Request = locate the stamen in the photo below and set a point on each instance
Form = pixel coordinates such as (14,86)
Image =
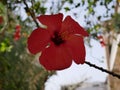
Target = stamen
(57,39)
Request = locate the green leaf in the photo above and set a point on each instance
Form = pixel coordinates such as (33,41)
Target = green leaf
(77,5)
(71,1)
(90,10)
(83,2)
(43,10)
(99,17)
(67,9)
(9,48)
(3,47)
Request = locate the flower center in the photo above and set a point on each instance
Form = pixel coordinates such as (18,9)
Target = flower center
(57,39)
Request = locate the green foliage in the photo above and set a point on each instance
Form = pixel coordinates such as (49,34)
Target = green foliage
(67,9)
(38,8)
(18,69)
(5,46)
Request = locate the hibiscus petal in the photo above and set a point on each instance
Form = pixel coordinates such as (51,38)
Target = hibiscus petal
(72,27)
(53,22)
(77,49)
(55,58)
(38,40)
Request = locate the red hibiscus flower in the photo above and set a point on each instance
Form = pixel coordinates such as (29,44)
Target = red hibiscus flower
(60,43)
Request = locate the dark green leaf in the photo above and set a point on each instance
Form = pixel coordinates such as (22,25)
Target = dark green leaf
(67,9)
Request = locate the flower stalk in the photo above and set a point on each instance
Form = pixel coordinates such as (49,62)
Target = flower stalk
(103,70)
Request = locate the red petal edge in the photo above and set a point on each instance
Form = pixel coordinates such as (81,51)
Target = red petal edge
(38,40)
(77,49)
(53,22)
(73,27)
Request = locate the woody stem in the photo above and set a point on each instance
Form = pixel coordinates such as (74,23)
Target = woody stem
(102,69)
(31,13)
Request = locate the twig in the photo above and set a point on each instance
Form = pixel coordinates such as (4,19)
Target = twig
(102,69)
(31,13)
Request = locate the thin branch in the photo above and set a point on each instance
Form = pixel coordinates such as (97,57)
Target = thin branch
(102,69)
(31,13)
(32,2)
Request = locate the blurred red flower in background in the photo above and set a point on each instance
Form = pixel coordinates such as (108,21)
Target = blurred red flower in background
(17,36)
(17,33)
(60,43)
(1,19)
(101,40)
(18,28)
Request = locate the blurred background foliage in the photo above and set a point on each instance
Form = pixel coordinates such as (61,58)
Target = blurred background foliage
(18,69)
